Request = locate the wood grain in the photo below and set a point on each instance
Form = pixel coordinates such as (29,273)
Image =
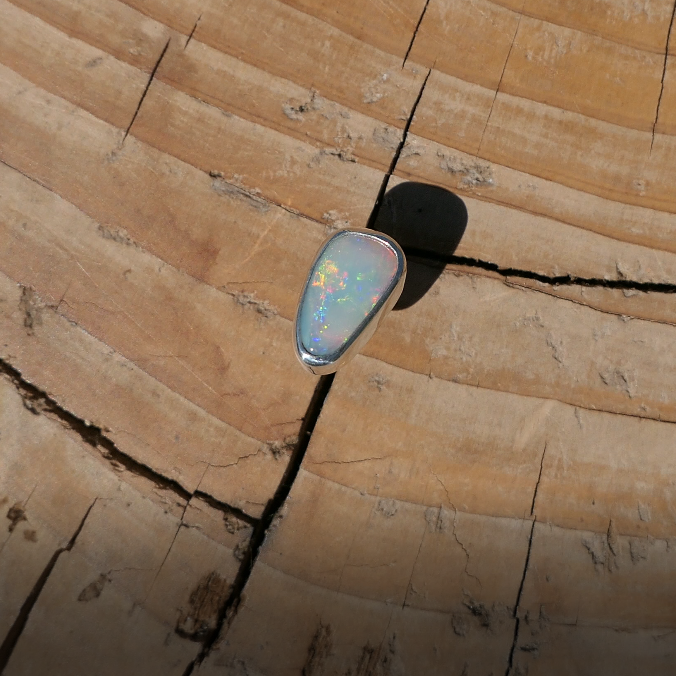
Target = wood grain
(339,66)
(361,634)
(76,278)
(645,26)
(108,548)
(110,26)
(387,25)
(275,102)
(292,170)
(33,48)
(666,122)
(445,41)
(486,489)
(514,192)
(444,338)
(592,156)
(590,649)
(621,84)
(156,427)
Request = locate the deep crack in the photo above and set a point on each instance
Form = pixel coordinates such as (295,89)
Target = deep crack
(517,621)
(271,511)
(551,280)
(15,631)
(40,402)
(225,508)
(415,33)
(386,179)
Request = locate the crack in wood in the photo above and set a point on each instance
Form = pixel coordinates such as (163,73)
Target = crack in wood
(415,33)
(664,74)
(192,32)
(551,280)
(502,74)
(147,87)
(409,585)
(463,547)
(559,280)
(349,462)
(270,513)
(228,188)
(386,179)
(39,401)
(15,631)
(517,621)
(552,293)
(94,435)
(537,483)
(228,510)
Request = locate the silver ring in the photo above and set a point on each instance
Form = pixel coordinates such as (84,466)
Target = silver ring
(355,280)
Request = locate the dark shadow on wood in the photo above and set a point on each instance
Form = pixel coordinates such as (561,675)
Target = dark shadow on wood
(426,219)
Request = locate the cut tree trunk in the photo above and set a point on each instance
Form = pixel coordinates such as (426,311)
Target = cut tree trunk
(488,489)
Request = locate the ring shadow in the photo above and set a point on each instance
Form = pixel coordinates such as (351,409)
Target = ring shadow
(425,220)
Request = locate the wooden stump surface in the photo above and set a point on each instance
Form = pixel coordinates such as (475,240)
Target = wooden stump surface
(488,489)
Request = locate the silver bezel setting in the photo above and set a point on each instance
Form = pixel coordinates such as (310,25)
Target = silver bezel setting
(322,365)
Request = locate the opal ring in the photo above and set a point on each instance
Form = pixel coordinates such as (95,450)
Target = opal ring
(355,280)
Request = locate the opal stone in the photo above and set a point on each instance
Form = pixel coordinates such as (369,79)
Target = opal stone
(352,274)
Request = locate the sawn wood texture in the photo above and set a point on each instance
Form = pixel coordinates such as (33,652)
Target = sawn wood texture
(488,488)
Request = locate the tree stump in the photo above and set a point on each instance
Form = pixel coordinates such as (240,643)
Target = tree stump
(488,489)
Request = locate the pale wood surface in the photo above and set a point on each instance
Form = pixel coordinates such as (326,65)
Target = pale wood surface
(489,488)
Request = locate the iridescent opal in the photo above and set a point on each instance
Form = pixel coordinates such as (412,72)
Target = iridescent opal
(352,275)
